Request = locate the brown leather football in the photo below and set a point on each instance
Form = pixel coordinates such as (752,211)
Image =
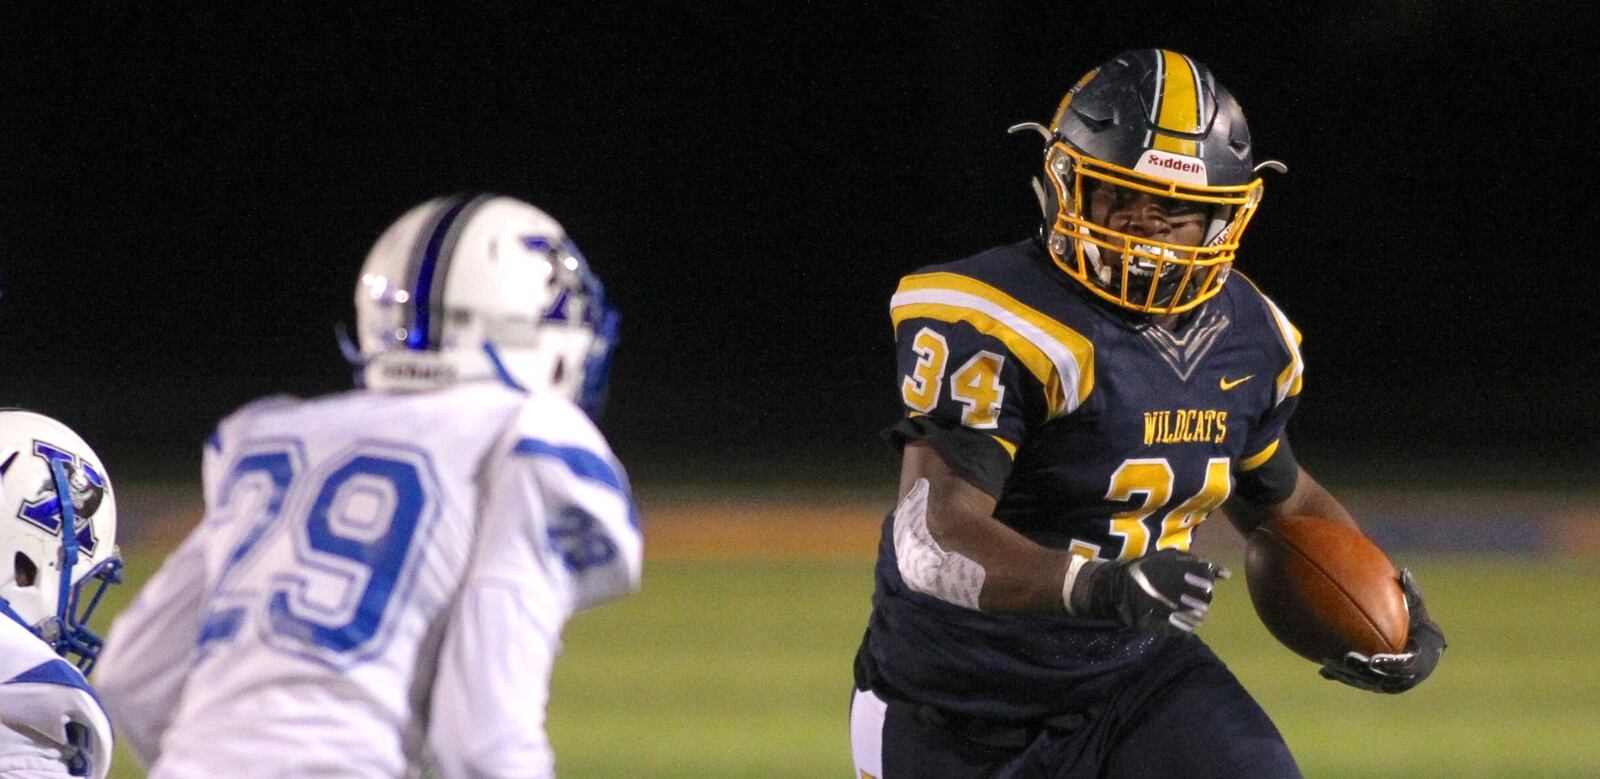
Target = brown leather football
(1323,589)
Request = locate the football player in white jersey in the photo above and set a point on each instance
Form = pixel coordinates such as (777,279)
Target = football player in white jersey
(380,581)
(58,533)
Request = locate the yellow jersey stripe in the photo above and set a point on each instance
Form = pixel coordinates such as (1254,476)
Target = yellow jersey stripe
(1080,348)
(1071,354)
(1010,448)
(1031,356)
(1177,106)
(1259,458)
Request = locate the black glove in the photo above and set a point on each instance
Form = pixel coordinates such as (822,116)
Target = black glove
(1168,591)
(1395,673)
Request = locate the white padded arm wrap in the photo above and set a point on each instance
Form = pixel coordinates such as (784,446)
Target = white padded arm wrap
(925,567)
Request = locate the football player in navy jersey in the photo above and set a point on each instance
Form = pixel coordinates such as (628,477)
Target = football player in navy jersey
(1076,404)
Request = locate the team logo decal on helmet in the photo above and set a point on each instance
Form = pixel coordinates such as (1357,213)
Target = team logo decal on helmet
(1151,123)
(86,486)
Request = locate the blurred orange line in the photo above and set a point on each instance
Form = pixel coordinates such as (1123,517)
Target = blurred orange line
(751,529)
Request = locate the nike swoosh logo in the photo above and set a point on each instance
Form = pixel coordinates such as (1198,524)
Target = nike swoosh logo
(1228,385)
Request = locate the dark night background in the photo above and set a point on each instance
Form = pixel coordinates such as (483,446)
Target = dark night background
(186,197)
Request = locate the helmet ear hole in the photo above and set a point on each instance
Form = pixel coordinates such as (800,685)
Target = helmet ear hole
(23,570)
(560,372)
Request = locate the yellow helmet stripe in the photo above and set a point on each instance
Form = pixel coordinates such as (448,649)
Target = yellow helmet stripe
(1061,109)
(1060,358)
(1176,106)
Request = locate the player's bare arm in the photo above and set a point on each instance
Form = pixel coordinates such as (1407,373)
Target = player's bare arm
(951,546)
(1308,498)
(1018,575)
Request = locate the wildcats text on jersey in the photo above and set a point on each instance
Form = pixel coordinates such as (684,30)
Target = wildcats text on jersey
(1186,426)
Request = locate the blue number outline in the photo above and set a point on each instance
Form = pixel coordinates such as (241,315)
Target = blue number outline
(298,496)
(222,624)
(286,628)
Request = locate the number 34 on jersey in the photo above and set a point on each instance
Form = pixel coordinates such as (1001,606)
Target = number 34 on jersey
(975,385)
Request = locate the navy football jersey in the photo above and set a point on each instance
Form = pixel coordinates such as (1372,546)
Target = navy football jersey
(1096,431)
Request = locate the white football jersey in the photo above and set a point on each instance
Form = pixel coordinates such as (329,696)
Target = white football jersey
(51,725)
(378,588)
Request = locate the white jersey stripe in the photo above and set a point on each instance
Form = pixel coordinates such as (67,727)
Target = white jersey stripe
(1289,379)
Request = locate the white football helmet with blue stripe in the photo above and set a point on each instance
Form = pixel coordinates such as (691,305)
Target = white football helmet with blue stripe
(482,287)
(58,532)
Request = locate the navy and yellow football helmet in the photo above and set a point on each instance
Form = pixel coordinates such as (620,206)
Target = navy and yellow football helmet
(1156,122)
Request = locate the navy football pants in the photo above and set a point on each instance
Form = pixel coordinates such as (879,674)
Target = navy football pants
(1184,716)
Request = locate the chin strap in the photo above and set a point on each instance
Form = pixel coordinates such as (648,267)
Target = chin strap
(1044,205)
(500,367)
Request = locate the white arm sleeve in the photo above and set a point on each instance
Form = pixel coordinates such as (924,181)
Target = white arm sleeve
(141,671)
(591,532)
(493,682)
(559,533)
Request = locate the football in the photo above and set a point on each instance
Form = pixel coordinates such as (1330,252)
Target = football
(1324,590)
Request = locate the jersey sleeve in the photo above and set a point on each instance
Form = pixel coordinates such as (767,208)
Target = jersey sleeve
(1267,471)
(493,680)
(565,497)
(978,370)
(559,533)
(142,669)
(51,724)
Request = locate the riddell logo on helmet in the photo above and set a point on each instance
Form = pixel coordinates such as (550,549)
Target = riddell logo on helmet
(1176,164)
(1185,169)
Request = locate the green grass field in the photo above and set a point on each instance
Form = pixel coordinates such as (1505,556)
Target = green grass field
(740,669)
